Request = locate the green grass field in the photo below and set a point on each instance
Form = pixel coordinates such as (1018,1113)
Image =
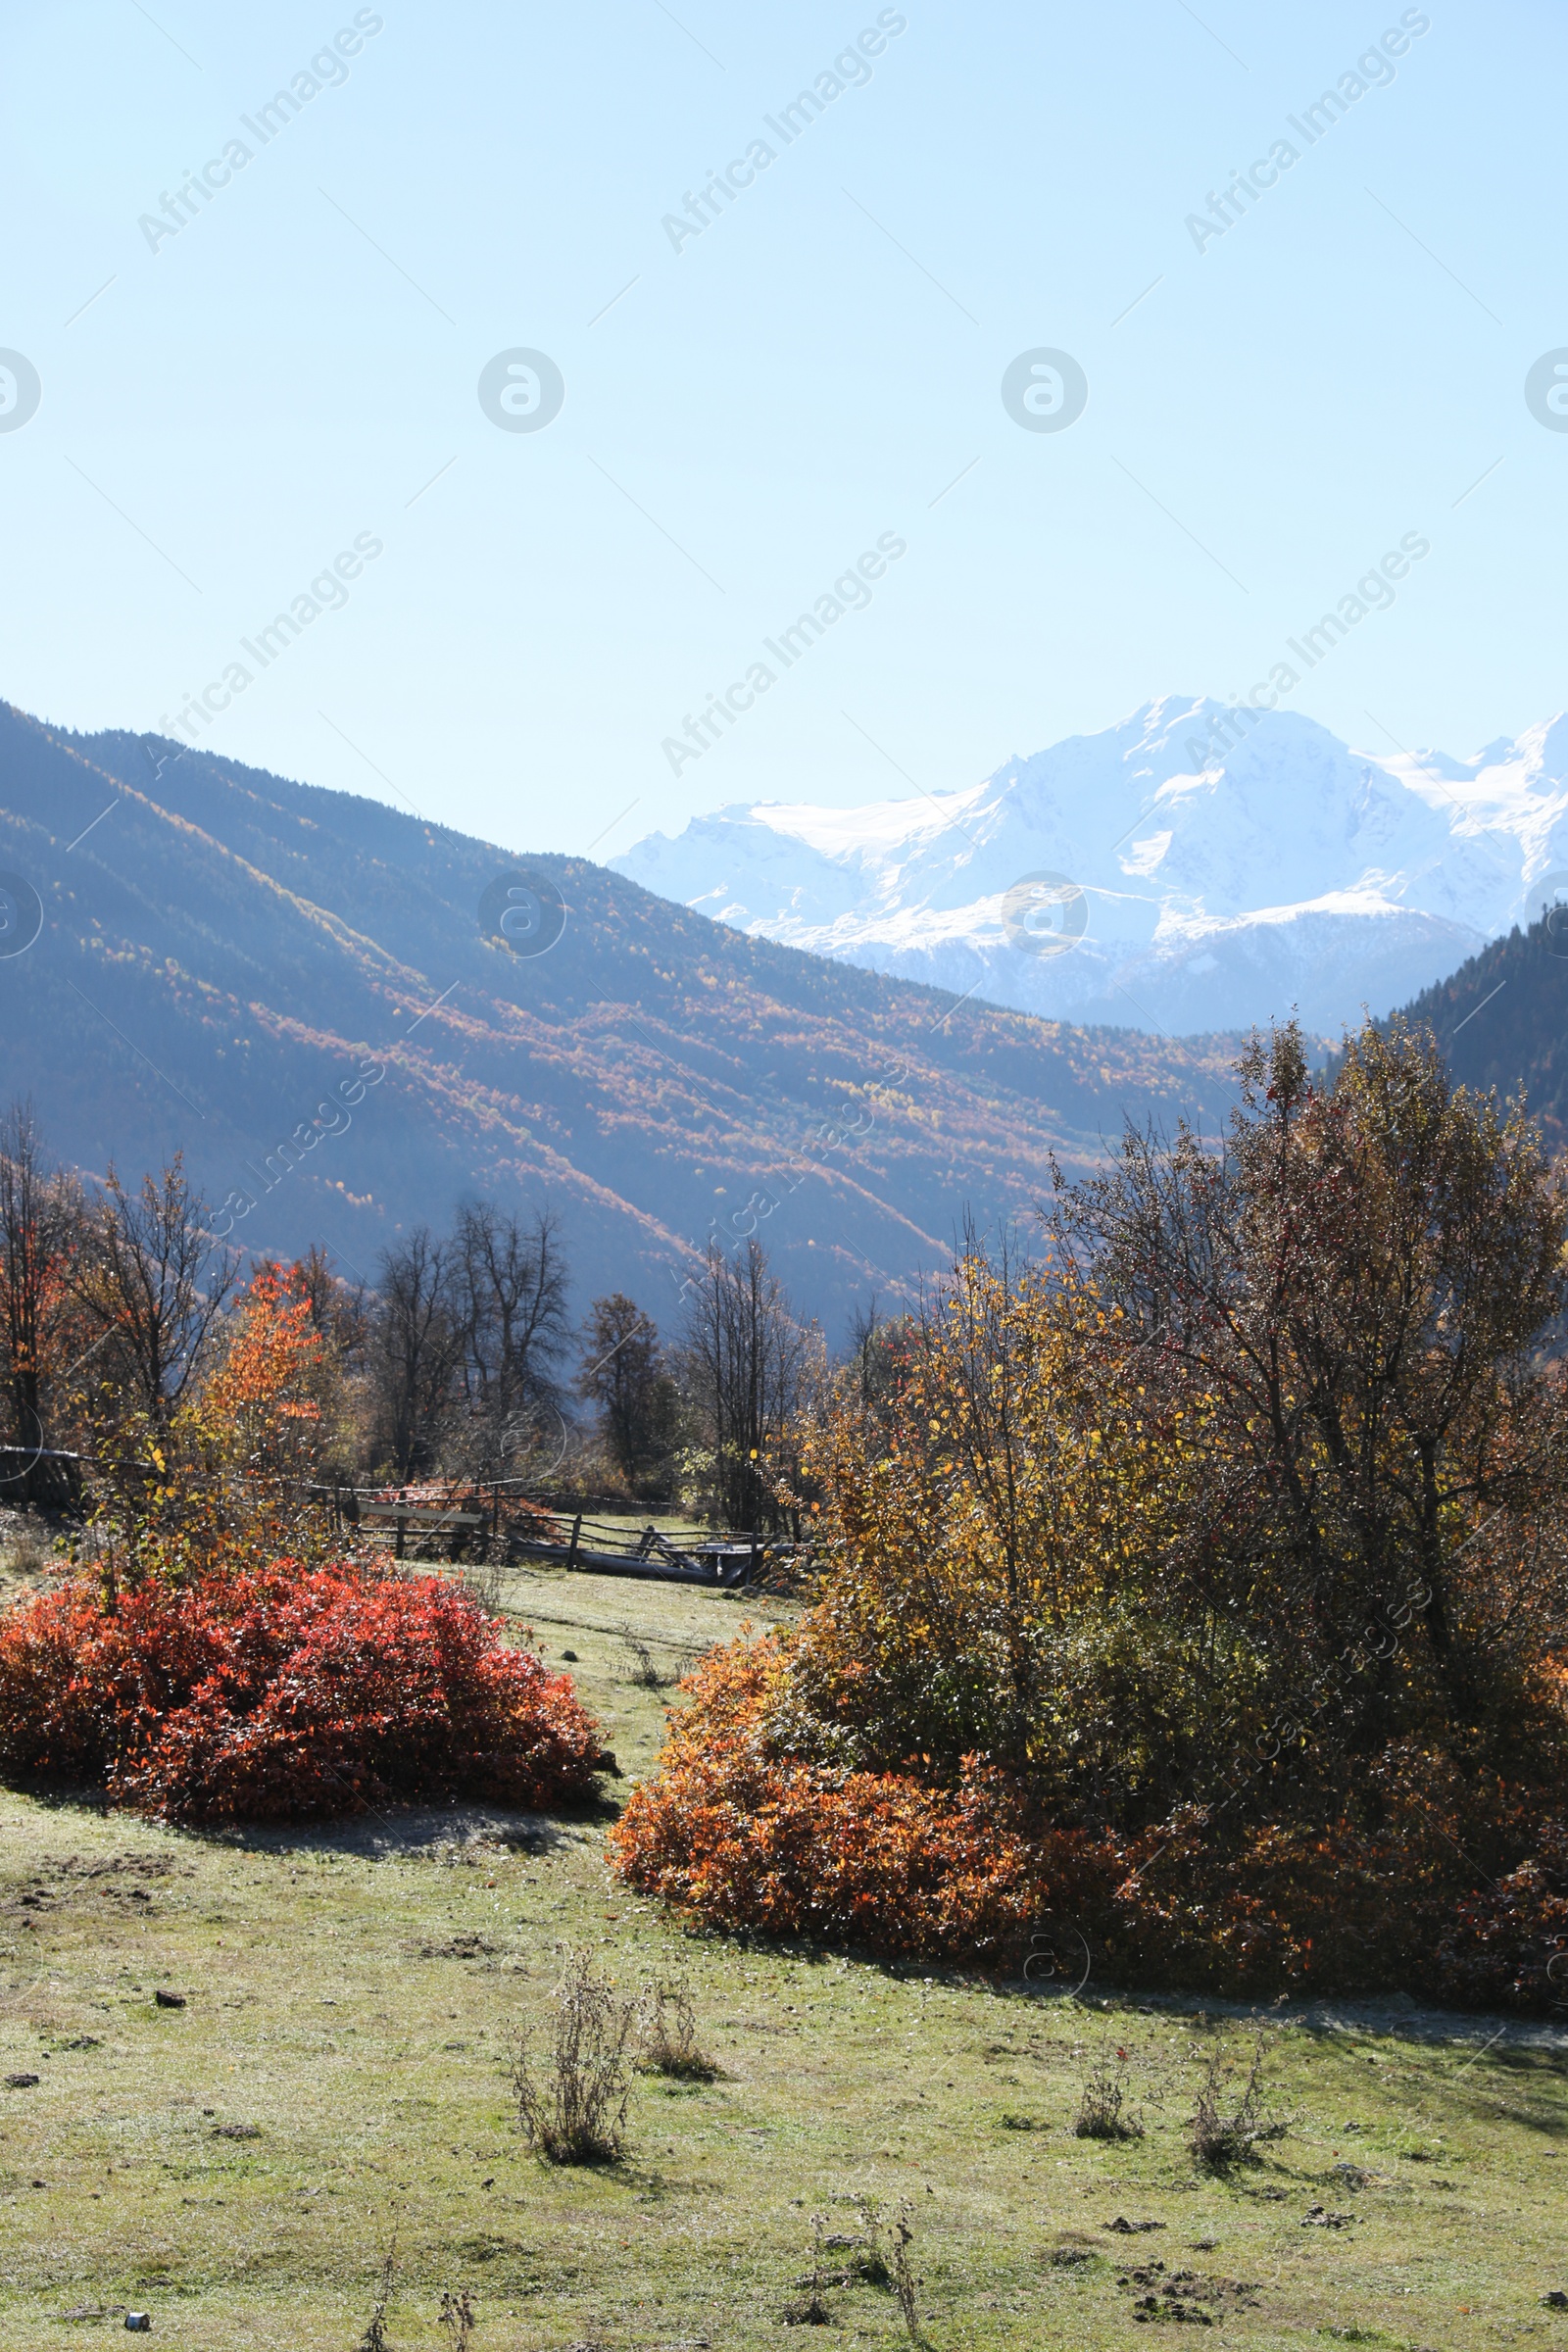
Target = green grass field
(337,2080)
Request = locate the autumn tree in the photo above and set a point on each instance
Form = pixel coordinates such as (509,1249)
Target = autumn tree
(1267,1458)
(1354,1299)
(263,1409)
(40,1325)
(986,1527)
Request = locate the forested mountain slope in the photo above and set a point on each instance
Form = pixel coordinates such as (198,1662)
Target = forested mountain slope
(296,986)
(1502,1019)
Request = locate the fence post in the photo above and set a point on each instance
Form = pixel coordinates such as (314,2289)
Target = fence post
(402,1524)
(750,1565)
(572,1552)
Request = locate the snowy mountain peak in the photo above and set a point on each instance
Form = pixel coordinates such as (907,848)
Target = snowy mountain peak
(1215,865)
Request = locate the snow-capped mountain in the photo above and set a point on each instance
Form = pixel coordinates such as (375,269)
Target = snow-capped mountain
(1193,868)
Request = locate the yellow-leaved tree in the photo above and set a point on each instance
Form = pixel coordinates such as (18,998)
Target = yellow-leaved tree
(1229,1539)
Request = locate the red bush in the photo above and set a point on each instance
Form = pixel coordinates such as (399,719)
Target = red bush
(279,1696)
(743,1839)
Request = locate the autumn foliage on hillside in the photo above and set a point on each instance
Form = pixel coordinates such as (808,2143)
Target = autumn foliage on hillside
(284,1694)
(1201,1586)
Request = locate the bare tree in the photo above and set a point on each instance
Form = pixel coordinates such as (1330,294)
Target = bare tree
(747,1366)
(337,1308)
(416,1350)
(870,1372)
(509,1287)
(152,1282)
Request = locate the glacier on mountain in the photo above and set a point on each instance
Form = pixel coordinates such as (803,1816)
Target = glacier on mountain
(1143,878)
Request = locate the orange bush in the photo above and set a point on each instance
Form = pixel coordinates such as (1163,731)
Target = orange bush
(274,1695)
(733,1836)
(737,1836)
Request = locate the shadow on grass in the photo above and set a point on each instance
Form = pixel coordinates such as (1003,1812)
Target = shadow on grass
(54,1797)
(378,1833)
(404,1830)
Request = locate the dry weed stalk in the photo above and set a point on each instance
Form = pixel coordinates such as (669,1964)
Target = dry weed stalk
(871,2264)
(1099,2107)
(901,2272)
(812,2311)
(375,2338)
(485,1580)
(456,2318)
(645,1674)
(577,2113)
(1219,2140)
(669,2044)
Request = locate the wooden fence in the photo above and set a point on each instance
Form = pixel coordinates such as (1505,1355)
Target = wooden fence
(55,1480)
(478,1521)
(618,1547)
(487,1521)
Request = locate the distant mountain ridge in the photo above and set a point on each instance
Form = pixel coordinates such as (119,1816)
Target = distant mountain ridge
(295,986)
(1222,866)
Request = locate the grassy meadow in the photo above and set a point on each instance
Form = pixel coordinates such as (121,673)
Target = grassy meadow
(335,2086)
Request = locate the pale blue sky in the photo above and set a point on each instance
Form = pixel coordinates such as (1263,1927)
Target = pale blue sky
(289,371)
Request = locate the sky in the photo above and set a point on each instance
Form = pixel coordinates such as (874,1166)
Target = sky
(210,402)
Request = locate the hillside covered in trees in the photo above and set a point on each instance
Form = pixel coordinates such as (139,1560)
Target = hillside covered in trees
(299,990)
(1500,1021)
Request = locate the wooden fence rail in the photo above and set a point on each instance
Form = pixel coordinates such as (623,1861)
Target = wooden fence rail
(618,1546)
(614,1549)
(486,1516)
